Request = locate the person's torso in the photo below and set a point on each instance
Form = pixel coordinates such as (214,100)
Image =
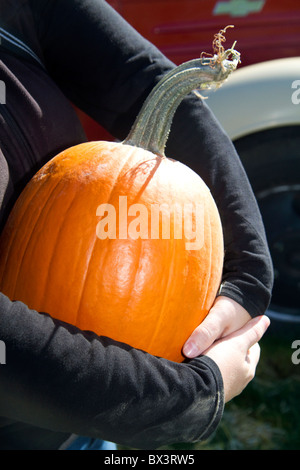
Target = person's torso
(36,122)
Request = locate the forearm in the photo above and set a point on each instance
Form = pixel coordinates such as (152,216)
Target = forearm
(99,61)
(60,378)
(197,139)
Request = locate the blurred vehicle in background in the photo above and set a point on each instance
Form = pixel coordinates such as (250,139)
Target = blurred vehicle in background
(182,29)
(259,107)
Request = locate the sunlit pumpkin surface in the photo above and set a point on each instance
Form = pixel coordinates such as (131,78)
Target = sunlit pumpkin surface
(63,254)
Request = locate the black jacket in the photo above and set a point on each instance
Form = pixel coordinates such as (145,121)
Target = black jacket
(57,379)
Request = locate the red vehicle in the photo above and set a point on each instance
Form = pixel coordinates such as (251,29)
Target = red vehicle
(259,107)
(182,29)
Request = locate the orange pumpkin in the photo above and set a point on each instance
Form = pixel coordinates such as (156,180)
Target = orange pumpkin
(119,239)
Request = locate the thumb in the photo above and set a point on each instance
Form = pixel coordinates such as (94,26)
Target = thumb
(202,337)
(253,331)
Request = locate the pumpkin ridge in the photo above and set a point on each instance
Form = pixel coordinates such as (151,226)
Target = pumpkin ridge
(131,299)
(210,279)
(130,155)
(54,245)
(166,290)
(14,236)
(103,257)
(207,278)
(29,237)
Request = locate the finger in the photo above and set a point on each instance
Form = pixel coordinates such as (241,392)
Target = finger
(202,337)
(253,354)
(254,330)
(252,359)
(225,317)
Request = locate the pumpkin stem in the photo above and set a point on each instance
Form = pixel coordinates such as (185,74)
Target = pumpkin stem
(152,126)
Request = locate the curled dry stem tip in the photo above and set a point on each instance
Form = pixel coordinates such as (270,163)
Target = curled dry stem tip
(220,56)
(219,53)
(217,45)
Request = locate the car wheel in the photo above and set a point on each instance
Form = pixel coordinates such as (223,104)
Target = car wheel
(272,161)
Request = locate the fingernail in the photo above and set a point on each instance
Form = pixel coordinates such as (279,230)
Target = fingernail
(190,349)
(268,322)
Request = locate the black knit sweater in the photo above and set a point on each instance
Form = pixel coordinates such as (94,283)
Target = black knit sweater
(59,380)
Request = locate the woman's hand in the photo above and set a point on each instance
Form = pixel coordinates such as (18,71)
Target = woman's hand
(225,317)
(237,355)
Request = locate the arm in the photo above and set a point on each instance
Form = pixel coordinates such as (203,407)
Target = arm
(60,378)
(247,275)
(68,381)
(237,355)
(123,68)
(29,336)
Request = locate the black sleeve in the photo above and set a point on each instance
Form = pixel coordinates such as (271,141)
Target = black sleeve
(200,142)
(107,69)
(57,377)
(99,61)
(60,378)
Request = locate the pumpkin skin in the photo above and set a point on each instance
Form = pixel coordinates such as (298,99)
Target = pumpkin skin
(150,293)
(150,290)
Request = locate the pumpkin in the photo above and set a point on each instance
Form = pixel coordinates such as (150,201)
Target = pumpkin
(118,239)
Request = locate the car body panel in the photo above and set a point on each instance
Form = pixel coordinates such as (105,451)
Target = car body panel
(258,97)
(182,29)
